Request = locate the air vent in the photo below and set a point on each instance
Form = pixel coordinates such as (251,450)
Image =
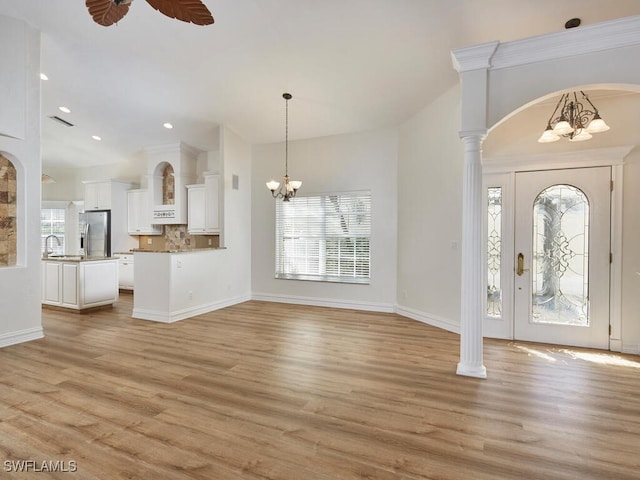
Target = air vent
(61,120)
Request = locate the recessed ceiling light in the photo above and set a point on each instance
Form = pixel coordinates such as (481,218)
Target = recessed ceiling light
(167,125)
(96,137)
(43,77)
(64,109)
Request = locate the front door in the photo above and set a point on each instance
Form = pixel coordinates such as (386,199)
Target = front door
(562,248)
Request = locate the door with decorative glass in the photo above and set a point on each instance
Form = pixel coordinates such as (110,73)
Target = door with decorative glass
(562,249)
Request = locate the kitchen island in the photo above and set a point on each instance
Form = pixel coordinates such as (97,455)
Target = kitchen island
(174,285)
(78,282)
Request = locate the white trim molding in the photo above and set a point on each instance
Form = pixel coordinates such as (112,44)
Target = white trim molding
(428,319)
(597,157)
(473,58)
(619,33)
(325,302)
(13,338)
(177,315)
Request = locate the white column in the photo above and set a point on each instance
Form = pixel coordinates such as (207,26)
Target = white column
(471,363)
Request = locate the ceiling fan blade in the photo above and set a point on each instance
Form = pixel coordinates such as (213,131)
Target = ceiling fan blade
(193,11)
(105,12)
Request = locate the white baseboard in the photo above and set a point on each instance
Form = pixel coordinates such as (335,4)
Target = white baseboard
(432,320)
(615,345)
(631,348)
(21,336)
(325,302)
(174,316)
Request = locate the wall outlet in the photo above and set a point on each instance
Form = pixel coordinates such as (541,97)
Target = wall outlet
(209,242)
(190,295)
(149,241)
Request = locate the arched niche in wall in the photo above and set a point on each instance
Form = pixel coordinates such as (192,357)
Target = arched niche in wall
(8,212)
(165,182)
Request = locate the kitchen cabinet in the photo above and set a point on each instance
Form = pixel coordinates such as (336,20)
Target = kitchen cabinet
(125,271)
(79,283)
(104,194)
(203,206)
(139,214)
(97,195)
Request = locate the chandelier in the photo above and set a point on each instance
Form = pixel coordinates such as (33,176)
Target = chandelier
(574,121)
(288,188)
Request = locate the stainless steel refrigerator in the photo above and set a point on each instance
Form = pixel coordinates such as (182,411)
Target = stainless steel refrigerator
(95,236)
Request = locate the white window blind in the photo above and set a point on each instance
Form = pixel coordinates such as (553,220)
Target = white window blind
(52,222)
(324,238)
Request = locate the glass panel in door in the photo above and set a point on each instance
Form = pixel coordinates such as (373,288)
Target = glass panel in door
(560,257)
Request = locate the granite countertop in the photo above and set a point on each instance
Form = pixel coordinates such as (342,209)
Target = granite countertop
(75,258)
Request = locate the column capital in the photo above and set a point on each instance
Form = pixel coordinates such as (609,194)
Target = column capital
(470,134)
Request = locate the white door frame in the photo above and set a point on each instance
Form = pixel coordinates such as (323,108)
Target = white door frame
(500,172)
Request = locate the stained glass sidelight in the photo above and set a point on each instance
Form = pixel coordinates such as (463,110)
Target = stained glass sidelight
(494,251)
(560,276)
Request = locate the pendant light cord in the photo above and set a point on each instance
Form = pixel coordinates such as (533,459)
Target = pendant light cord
(286,137)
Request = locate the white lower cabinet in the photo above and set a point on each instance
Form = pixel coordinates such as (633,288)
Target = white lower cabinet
(79,285)
(125,271)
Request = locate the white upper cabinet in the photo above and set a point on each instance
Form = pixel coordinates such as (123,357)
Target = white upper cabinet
(139,214)
(203,202)
(196,209)
(97,195)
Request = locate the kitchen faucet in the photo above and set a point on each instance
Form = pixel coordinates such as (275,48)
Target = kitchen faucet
(47,251)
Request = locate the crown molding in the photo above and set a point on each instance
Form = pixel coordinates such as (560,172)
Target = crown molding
(623,32)
(596,157)
(473,58)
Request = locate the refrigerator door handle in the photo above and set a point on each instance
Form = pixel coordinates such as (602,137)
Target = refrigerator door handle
(86,240)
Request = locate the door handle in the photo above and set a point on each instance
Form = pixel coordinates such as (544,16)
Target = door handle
(520,265)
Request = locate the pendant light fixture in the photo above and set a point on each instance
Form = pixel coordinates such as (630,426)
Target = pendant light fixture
(289,188)
(574,122)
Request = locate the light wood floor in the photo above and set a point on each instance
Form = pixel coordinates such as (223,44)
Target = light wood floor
(271,391)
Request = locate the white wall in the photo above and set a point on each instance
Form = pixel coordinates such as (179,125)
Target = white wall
(236,236)
(429,213)
(20,285)
(343,163)
(630,330)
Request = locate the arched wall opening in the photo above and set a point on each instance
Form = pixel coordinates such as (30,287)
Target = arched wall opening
(499,81)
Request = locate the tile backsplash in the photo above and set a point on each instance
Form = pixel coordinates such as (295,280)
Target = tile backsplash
(8,214)
(176,237)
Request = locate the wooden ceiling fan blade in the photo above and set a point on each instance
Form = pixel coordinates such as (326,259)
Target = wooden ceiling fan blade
(105,12)
(192,11)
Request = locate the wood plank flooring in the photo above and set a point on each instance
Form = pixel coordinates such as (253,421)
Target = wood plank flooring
(272,391)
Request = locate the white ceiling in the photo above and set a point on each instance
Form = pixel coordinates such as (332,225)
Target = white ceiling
(351,65)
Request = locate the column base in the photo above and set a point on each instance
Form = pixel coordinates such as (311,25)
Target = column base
(471,370)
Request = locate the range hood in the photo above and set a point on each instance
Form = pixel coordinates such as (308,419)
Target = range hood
(170,169)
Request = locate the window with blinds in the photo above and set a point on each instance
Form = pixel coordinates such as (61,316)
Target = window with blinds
(325,238)
(52,223)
